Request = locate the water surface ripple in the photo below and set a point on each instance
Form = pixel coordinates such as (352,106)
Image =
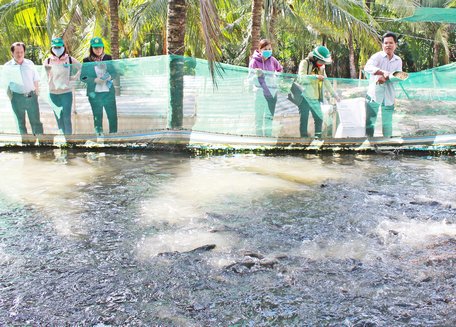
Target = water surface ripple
(153,239)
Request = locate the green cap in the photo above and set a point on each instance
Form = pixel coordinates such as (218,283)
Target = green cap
(57,42)
(96,42)
(322,53)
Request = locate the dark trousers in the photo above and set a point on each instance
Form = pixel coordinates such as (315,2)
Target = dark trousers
(371,117)
(62,104)
(106,100)
(264,114)
(314,107)
(22,104)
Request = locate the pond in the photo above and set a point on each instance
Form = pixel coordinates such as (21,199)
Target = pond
(166,239)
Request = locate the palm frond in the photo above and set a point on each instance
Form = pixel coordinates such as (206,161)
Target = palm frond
(212,35)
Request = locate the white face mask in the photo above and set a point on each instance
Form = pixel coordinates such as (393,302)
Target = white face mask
(58,51)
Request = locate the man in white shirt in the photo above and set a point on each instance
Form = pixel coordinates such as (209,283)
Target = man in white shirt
(23,89)
(381,90)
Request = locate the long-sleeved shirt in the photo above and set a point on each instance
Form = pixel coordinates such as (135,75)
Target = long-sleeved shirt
(313,87)
(89,74)
(382,93)
(21,78)
(266,81)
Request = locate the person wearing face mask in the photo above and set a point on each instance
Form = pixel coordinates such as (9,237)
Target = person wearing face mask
(98,73)
(262,70)
(61,69)
(381,90)
(312,76)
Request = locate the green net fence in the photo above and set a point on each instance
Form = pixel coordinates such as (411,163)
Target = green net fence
(155,94)
(435,15)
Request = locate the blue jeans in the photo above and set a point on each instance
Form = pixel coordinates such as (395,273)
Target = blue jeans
(62,111)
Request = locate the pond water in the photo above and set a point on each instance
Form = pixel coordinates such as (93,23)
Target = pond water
(165,239)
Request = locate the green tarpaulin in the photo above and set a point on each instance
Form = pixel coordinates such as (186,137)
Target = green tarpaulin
(435,15)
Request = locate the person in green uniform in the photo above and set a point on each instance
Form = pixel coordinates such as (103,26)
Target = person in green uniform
(312,76)
(98,73)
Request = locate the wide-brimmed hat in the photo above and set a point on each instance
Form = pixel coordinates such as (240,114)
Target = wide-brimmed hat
(57,42)
(322,53)
(97,42)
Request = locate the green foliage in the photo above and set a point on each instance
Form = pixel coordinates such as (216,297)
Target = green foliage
(298,26)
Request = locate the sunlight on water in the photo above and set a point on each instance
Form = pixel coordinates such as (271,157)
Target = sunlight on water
(47,186)
(183,241)
(291,169)
(209,185)
(415,233)
(350,240)
(189,196)
(222,186)
(440,173)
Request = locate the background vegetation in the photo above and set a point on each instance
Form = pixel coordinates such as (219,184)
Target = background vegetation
(228,30)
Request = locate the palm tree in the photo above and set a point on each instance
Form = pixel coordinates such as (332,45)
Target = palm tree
(343,20)
(177,13)
(255,24)
(36,22)
(148,24)
(184,29)
(437,33)
(114,15)
(176,33)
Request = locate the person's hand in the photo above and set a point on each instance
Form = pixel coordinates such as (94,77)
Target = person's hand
(381,79)
(320,77)
(258,72)
(37,92)
(98,80)
(9,93)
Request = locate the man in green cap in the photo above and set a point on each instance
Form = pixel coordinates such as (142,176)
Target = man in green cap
(98,73)
(313,78)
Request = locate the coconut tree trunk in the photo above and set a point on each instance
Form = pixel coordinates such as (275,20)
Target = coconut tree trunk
(255,24)
(273,23)
(177,14)
(351,56)
(114,13)
(435,59)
